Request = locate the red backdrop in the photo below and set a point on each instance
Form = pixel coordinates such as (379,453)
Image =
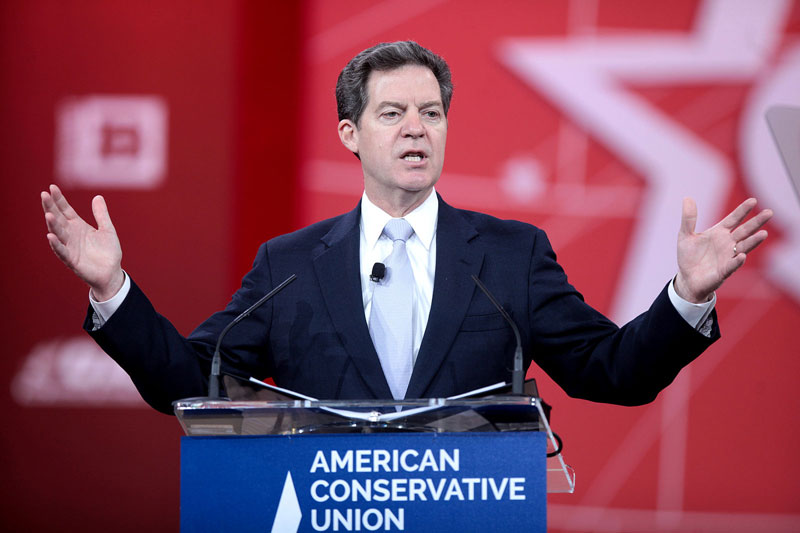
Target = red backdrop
(588,118)
(220,70)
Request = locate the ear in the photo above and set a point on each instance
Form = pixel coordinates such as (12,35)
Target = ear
(348,134)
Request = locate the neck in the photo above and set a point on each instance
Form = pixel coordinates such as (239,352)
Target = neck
(401,204)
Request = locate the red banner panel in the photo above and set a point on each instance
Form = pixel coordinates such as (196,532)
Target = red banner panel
(164,108)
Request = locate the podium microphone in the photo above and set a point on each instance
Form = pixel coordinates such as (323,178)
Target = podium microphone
(213,379)
(518,375)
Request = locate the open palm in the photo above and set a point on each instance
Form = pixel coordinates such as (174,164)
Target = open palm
(93,254)
(707,259)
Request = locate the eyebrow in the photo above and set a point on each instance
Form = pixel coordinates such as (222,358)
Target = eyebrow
(389,103)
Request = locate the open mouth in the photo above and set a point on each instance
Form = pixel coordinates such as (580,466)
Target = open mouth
(413,157)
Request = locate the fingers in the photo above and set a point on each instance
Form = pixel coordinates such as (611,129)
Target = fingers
(53,214)
(688,217)
(736,216)
(58,247)
(61,202)
(48,205)
(53,217)
(752,226)
(54,203)
(734,264)
(752,242)
(52,224)
(101,216)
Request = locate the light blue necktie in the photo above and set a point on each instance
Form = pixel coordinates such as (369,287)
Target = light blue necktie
(390,320)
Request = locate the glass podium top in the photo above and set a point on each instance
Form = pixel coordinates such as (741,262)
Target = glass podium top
(265,411)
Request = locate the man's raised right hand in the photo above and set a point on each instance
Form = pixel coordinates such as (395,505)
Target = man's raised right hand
(93,254)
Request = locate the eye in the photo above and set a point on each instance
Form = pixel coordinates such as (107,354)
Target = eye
(432,114)
(391,114)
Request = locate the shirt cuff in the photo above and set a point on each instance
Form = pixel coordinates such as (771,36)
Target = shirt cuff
(696,315)
(104,310)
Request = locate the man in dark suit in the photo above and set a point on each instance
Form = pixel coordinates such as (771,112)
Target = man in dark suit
(320,335)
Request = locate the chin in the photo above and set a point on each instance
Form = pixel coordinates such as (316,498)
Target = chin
(417,182)
(416,188)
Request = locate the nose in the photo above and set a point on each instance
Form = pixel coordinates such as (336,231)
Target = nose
(412,126)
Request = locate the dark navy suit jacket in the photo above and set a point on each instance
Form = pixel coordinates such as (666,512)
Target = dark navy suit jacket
(313,337)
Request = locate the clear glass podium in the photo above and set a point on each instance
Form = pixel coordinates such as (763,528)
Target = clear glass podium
(263,411)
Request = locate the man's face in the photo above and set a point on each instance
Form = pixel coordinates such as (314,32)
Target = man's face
(401,136)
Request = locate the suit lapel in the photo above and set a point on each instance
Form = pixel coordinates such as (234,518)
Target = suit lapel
(337,268)
(456,260)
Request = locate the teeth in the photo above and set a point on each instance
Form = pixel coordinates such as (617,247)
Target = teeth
(412,157)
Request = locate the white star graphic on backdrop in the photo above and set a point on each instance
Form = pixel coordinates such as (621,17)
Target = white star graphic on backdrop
(583,76)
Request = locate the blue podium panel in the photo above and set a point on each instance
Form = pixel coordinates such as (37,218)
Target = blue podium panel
(418,482)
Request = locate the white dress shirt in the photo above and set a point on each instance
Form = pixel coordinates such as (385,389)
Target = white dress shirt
(421,247)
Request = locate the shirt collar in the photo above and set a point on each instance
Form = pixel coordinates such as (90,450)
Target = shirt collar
(423,219)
